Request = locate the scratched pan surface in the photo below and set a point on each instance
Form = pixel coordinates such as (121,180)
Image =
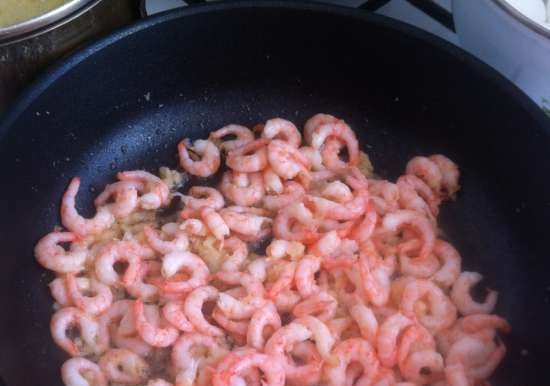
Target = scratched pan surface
(126,102)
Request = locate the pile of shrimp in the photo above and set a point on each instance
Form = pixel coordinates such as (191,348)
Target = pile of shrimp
(301,268)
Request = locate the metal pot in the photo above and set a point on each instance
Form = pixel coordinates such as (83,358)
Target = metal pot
(28,47)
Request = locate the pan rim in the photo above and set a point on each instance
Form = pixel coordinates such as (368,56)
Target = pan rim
(61,67)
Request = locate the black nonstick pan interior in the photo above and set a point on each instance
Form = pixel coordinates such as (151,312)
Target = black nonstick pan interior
(126,102)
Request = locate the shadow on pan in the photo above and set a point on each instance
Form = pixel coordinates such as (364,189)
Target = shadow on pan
(126,102)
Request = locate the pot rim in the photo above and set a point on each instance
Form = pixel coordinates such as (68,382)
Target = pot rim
(526,21)
(45,22)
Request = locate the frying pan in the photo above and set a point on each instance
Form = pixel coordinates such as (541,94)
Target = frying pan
(126,101)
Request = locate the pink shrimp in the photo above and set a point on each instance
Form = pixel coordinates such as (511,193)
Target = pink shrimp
(319,332)
(192,264)
(245,189)
(124,367)
(193,310)
(236,328)
(384,196)
(237,251)
(243,136)
(281,129)
(144,287)
(417,267)
(348,210)
(442,311)
(284,279)
(75,222)
(249,158)
(202,196)
(179,240)
(450,264)
(375,281)
(478,358)
(263,323)
(271,367)
(341,131)
(82,372)
(52,256)
(427,170)
(286,160)
(292,192)
(58,290)
(423,367)
(388,336)
(214,222)
(246,221)
(412,220)
(194,227)
(314,157)
(124,195)
(158,382)
(199,159)
(156,192)
(285,227)
(460,294)
(415,194)
(127,251)
(449,175)
(246,306)
(173,312)
(91,304)
(272,182)
(353,350)
(69,317)
(366,321)
(285,301)
(305,275)
(316,121)
(186,357)
(279,249)
(153,335)
(322,305)
(308,369)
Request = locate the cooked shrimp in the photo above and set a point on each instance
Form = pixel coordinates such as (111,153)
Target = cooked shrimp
(249,158)
(193,310)
(91,304)
(341,131)
(284,279)
(314,157)
(322,305)
(375,281)
(285,227)
(292,192)
(237,251)
(173,312)
(320,333)
(307,369)
(412,220)
(442,311)
(272,182)
(190,263)
(286,160)
(244,189)
(242,136)
(202,196)
(478,358)
(263,323)
(384,196)
(354,350)
(245,221)
(194,227)
(366,321)
(415,194)
(59,293)
(75,222)
(284,130)
(144,286)
(314,122)
(156,193)
(124,195)
(279,249)
(449,175)
(460,294)
(257,268)
(427,170)
(68,318)
(236,328)
(199,159)
(305,275)
(126,251)
(153,335)
(271,367)
(214,222)
(124,367)
(178,242)
(53,256)
(246,306)
(450,264)
(422,367)
(82,372)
